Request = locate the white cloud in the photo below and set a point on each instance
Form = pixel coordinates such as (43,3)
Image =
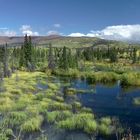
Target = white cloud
(7,32)
(57,25)
(119,32)
(3,28)
(53,32)
(76,35)
(26,29)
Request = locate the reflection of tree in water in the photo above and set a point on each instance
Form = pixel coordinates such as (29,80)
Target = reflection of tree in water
(129,89)
(118,129)
(120,132)
(128,135)
(121,95)
(124,94)
(122,91)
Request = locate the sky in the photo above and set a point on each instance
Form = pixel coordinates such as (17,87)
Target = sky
(109,19)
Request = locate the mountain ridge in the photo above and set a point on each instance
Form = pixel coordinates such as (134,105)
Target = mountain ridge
(60,41)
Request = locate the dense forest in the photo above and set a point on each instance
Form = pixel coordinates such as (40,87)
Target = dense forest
(31,57)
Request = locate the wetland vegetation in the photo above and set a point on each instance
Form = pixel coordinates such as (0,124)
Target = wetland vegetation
(57,92)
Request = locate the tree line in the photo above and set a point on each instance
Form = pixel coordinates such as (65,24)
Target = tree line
(29,57)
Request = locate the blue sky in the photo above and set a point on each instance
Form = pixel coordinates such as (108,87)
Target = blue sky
(70,17)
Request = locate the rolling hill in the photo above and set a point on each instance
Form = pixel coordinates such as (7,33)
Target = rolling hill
(60,41)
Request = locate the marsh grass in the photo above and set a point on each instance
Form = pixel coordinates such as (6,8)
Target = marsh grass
(16,91)
(53,86)
(77,121)
(6,104)
(87,123)
(24,108)
(76,106)
(57,116)
(92,77)
(59,98)
(32,110)
(105,127)
(59,106)
(33,124)
(86,110)
(136,101)
(90,126)
(130,79)
(20,108)
(69,73)
(72,91)
(102,77)
(6,94)
(105,120)
(39,96)
(16,118)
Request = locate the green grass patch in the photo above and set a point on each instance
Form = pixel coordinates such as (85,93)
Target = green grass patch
(130,79)
(33,124)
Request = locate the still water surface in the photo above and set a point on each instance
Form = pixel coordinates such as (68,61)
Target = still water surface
(106,100)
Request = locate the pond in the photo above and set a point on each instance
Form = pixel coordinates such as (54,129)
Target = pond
(63,108)
(109,100)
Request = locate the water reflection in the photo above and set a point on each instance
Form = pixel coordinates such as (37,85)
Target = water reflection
(110,100)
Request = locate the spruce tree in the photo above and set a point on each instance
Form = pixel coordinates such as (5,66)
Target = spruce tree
(113,55)
(70,60)
(64,62)
(22,57)
(108,51)
(26,50)
(134,55)
(4,59)
(30,49)
(26,53)
(51,61)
